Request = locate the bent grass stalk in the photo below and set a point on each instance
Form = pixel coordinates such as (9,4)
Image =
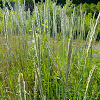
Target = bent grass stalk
(93,32)
(69,57)
(88,81)
(22,91)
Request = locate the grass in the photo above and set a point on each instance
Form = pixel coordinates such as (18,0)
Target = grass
(53,66)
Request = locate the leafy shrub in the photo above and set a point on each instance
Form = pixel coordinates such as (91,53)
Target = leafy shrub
(87,22)
(98,6)
(98,37)
(1,20)
(93,8)
(1,26)
(86,7)
(1,14)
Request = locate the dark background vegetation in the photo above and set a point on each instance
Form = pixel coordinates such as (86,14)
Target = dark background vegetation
(61,2)
(88,5)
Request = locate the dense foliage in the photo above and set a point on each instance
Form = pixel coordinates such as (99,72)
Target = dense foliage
(90,9)
(85,1)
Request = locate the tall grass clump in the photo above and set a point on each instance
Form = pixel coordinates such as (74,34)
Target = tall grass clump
(44,54)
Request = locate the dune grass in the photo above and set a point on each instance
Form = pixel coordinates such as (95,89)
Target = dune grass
(43,59)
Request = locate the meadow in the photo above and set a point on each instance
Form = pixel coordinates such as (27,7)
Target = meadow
(46,55)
